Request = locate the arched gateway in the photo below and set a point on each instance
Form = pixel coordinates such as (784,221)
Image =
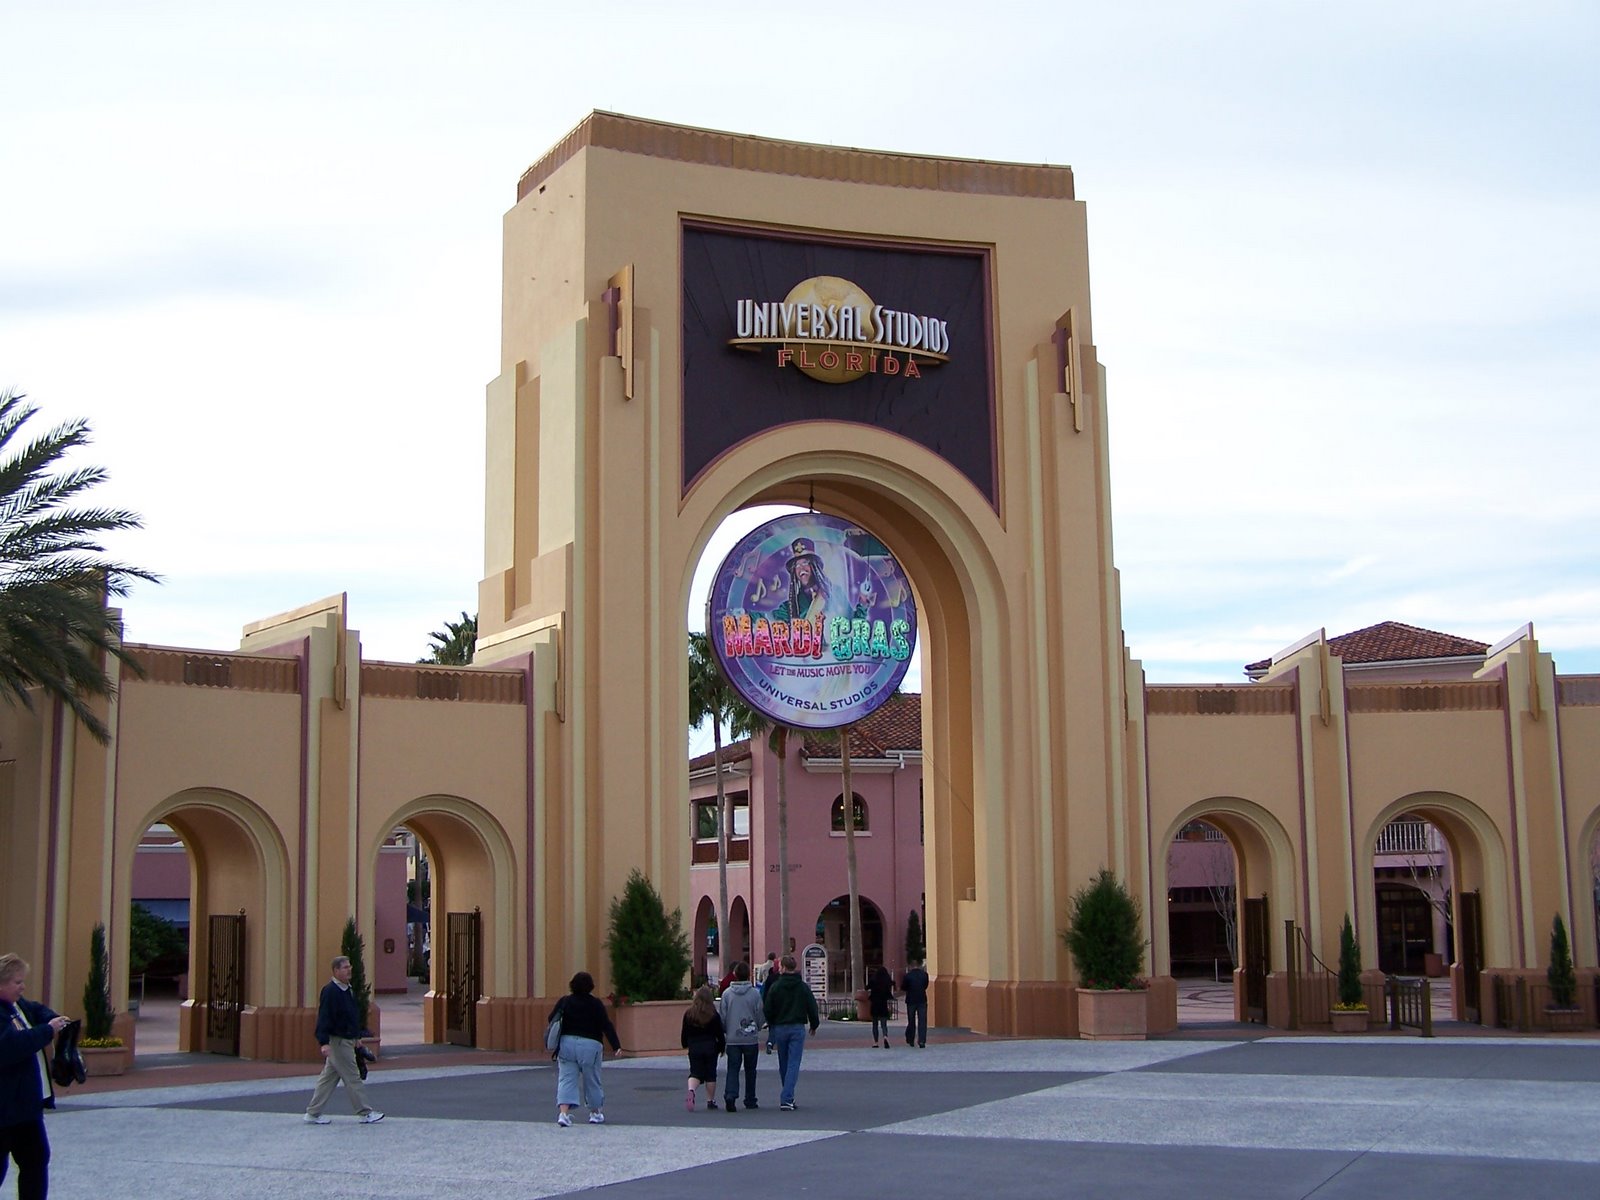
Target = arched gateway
(694,322)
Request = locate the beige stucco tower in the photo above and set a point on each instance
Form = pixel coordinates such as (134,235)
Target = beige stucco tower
(624,426)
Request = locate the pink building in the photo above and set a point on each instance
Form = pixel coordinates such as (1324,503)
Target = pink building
(886,777)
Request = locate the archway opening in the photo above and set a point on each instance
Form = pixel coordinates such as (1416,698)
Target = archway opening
(833,934)
(399,960)
(450,854)
(158,937)
(1202,904)
(1412,891)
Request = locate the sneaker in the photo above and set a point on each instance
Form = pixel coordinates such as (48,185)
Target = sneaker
(688,1100)
(885,1043)
(564,1120)
(710,1104)
(731,1105)
(787,1107)
(597,1118)
(749,1104)
(319,1119)
(371,1118)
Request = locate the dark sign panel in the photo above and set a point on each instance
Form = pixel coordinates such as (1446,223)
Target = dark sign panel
(812,620)
(779,329)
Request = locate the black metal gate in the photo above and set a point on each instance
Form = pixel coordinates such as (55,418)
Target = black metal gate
(463,979)
(224,984)
(1470,930)
(1257,959)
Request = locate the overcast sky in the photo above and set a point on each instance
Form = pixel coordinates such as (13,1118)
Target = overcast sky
(1344,264)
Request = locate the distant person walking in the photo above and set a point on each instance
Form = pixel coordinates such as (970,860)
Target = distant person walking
(703,1038)
(914,988)
(790,1007)
(880,990)
(744,1021)
(26,1030)
(339,1036)
(583,1024)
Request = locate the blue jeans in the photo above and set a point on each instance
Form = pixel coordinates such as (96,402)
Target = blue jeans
(791,1043)
(579,1057)
(745,1056)
(916,1022)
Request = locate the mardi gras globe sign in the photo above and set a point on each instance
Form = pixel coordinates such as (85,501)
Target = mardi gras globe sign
(812,620)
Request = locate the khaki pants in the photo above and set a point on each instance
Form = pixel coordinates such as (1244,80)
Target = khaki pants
(340,1067)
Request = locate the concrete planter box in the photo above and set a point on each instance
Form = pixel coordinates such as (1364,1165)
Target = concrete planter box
(1113,1015)
(1354,1021)
(99,1061)
(650,1024)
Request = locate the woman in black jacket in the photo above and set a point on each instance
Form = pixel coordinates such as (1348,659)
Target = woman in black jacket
(703,1038)
(583,1023)
(880,990)
(26,1030)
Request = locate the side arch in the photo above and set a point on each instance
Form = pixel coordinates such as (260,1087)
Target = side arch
(238,858)
(1477,859)
(1264,858)
(473,866)
(1585,935)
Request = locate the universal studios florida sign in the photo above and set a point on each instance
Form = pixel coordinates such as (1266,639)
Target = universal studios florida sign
(812,620)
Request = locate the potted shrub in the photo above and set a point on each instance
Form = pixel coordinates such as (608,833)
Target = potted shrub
(1562,1011)
(649,961)
(103,1053)
(354,947)
(1107,949)
(1349,1013)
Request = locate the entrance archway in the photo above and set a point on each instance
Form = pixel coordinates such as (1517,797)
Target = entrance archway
(238,864)
(904,498)
(470,877)
(833,932)
(1411,887)
(1477,862)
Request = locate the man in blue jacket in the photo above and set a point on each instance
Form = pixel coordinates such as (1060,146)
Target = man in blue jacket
(339,1035)
(26,1030)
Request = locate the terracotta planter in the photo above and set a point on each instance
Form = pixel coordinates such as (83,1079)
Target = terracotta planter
(107,1060)
(1563,1020)
(1352,1021)
(650,1024)
(1113,1015)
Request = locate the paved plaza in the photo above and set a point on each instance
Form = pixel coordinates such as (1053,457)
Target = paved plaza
(1234,1119)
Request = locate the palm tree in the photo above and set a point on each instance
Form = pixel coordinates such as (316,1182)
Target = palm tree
(455,644)
(778,742)
(713,698)
(858,967)
(55,578)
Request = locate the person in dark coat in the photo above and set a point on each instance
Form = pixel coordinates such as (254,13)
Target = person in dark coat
(26,1031)
(583,1023)
(339,1037)
(703,1038)
(880,990)
(914,987)
(790,1007)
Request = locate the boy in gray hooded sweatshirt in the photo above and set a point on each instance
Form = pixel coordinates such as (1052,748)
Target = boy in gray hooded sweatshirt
(743,1023)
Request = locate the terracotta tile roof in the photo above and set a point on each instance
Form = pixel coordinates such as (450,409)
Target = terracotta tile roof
(895,726)
(731,753)
(1393,641)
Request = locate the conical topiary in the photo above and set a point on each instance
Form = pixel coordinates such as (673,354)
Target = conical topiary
(1563,979)
(97,1011)
(649,949)
(916,949)
(353,947)
(1350,994)
(1104,934)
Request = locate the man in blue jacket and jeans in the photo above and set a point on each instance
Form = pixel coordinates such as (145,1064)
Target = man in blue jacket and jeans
(339,1035)
(790,1007)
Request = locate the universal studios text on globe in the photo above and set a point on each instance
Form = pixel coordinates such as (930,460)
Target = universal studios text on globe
(812,620)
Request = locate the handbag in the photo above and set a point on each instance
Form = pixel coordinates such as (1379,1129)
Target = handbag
(552,1031)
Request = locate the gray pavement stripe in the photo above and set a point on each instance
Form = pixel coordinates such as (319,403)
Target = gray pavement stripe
(1441,1117)
(1046,1056)
(191,1092)
(196,1152)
